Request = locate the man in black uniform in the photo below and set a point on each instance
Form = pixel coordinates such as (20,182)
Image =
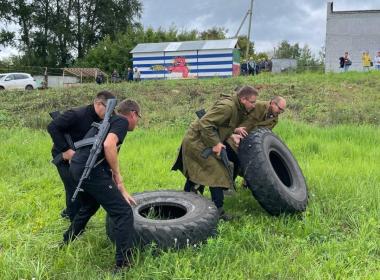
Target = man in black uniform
(75,122)
(104,187)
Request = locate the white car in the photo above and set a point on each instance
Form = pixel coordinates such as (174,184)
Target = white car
(17,81)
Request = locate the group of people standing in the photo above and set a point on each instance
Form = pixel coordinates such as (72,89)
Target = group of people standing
(252,67)
(228,121)
(367,62)
(105,185)
(133,75)
(129,75)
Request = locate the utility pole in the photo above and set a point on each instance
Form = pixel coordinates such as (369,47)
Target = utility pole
(241,24)
(249,29)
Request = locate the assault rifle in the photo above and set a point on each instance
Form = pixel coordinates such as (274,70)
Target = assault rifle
(97,145)
(59,158)
(223,154)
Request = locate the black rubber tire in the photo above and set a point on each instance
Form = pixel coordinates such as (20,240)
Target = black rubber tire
(197,219)
(29,87)
(2,88)
(272,173)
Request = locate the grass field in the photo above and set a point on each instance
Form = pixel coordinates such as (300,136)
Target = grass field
(337,237)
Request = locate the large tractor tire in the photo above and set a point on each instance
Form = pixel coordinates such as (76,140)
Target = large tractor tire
(171,219)
(272,173)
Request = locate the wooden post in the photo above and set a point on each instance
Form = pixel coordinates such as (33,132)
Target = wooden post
(45,79)
(63,78)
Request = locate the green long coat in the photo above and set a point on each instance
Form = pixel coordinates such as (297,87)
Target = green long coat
(215,126)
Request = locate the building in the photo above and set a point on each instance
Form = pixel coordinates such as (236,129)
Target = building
(351,31)
(190,59)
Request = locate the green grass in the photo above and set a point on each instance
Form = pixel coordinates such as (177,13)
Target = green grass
(336,238)
(331,126)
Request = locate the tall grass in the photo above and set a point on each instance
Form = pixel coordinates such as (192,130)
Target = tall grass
(336,238)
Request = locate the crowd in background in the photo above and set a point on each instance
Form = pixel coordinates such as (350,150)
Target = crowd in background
(252,67)
(367,62)
(128,75)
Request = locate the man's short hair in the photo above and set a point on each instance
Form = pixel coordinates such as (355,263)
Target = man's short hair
(127,106)
(104,95)
(247,91)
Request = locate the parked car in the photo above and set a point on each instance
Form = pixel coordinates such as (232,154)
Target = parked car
(17,81)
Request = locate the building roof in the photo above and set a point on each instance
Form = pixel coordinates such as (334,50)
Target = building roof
(186,46)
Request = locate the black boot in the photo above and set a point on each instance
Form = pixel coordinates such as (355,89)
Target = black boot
(192,187)
(65,215)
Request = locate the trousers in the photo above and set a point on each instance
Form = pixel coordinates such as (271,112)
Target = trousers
(100,190)
(72,208)
(217,195)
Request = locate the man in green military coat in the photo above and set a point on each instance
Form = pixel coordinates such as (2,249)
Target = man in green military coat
(217,125)
(265,115)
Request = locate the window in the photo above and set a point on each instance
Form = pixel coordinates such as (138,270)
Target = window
(9,78)
(21,76)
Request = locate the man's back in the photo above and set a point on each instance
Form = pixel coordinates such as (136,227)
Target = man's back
(75,122)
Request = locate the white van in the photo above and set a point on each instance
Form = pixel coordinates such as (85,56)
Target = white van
(17,81)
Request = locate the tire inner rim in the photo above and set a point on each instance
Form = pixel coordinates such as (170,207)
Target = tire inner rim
(162,211)
(280,168)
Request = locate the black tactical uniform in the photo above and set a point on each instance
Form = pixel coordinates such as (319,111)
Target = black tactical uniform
(100,189)
(75,122)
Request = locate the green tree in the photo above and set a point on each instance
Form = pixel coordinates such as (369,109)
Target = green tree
(244,44)
(286,50)
(213,33)
(112,54)
(50,32)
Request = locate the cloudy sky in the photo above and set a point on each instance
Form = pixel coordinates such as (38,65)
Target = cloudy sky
(301,21)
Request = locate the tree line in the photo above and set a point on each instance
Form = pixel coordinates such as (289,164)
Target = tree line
(303,55)
(57,32)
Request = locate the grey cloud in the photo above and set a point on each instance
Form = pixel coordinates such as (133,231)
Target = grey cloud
(274,20)
(300,21)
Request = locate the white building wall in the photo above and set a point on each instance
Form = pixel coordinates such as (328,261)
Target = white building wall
(56,81)
(352,31)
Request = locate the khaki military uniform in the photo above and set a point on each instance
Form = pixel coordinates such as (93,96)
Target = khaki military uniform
(215,127)
(259,117)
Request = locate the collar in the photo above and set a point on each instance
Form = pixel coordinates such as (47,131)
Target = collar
(268,115)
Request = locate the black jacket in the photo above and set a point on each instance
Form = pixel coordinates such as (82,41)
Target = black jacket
(75,122)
